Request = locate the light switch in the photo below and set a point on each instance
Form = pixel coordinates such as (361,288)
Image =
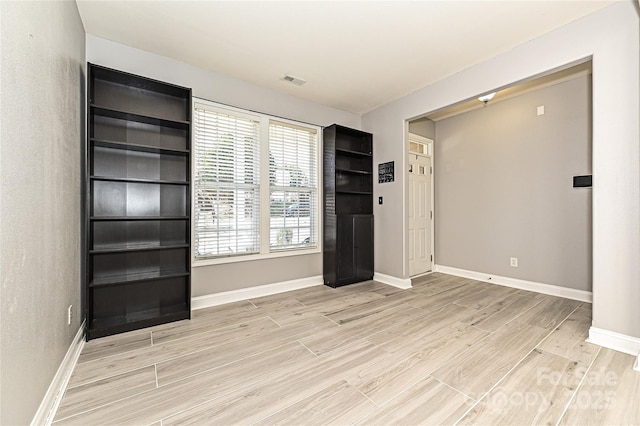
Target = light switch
(379,200)
(541,110)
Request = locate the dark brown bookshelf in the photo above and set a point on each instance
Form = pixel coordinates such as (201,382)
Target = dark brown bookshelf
(348,206)
(138,171)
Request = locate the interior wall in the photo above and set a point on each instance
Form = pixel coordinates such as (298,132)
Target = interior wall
(504,187)
(219,88)
(42,112)
(423,127)
(610,37)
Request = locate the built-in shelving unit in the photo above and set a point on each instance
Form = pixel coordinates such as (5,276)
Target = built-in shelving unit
(138,178)
(348,206)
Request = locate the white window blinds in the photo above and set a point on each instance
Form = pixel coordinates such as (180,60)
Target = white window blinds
(293,186)
(226,183)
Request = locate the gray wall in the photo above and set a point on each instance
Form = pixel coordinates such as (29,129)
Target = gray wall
(423,127)
(230,91)
(42,112)
(504,187)
(610,38)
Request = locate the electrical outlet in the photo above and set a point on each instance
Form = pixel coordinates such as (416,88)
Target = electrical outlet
(514,262)
(69,314)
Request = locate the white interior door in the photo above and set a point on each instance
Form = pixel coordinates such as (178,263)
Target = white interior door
(420,215)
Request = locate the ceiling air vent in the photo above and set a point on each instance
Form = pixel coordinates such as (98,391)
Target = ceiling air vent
(294,80)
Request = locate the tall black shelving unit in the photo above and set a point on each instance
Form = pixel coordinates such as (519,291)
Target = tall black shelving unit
(348,206)
(138,177)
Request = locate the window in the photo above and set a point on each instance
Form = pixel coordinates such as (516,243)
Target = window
(227,184)
(292,185)
(255,184)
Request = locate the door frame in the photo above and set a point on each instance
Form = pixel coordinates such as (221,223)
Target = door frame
(412,136)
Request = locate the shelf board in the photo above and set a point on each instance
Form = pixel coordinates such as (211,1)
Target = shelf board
(130,116)
(132,180)
(354,192)
(355,172)
(137,247)
(137,147)
(353,152)
(136,278)
(121,218)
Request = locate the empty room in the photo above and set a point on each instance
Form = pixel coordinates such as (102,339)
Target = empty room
(323,212)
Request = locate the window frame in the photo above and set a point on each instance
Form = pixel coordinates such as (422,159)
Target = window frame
(266,251)
(313,200)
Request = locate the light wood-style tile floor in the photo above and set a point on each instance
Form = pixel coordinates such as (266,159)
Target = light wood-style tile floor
(448,351)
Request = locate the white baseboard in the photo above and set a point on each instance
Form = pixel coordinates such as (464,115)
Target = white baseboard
(553,290)
(616,341)
(403,283)
(216,299)
(51,401)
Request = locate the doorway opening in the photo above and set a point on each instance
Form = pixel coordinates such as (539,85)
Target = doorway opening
(504,207)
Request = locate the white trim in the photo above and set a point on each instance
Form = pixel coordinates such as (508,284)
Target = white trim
(51,401)
(637,366)
(553,290)
(216,299)
(420,139)
(405,201)
(249,257)
(616,341)
(403,283)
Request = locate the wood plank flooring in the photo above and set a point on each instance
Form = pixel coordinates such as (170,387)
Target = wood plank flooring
(448,351)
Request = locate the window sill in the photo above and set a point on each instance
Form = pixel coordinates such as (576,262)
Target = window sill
(253,257)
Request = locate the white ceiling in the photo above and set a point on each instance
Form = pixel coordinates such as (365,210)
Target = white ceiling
(355,55)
